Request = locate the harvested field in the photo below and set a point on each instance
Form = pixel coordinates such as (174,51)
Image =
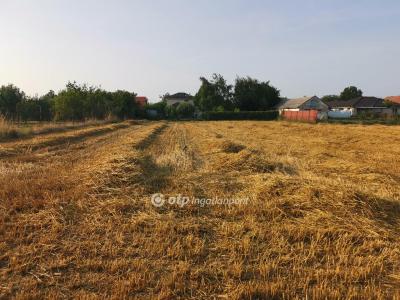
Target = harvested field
(11,131)
(320,220)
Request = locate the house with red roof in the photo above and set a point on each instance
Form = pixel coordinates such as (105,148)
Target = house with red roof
(394,102)
(141,101)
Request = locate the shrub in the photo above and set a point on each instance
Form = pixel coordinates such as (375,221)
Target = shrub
(79,102)
(170,112)
(155,111)
(241,115)
(185,110)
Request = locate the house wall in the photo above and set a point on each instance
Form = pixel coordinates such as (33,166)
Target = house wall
(342,112)
(141,103)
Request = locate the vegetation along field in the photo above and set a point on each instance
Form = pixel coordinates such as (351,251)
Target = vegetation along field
(321,218)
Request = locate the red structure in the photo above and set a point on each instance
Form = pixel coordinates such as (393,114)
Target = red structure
(302,115)
(393,99)
(141,100)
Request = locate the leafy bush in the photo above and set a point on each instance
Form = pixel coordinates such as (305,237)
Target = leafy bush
(170,112)
(241,115)
(185,110)
(79,102)
(154,111)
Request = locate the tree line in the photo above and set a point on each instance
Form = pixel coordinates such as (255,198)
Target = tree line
(81,101)
(246,95)
(216,95)
(76,102)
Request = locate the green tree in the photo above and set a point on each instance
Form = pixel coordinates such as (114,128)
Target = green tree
(170,112)
(214,93)
(185,110)
(351,92)
(78,102)
(253,95)
(46,103)
(159,107)
(36,109)
(70,102)
(10,96)
(98,103)
(29,110)
(123,104)
(329,98)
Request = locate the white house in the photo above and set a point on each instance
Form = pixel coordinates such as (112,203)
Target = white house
(342,109)
(348,108)
(177,98)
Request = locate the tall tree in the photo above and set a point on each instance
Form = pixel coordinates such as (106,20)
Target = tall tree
(351,92)
(214,94)
(70,102)
(123,104)
(46,103)
(252,95)
(10,96)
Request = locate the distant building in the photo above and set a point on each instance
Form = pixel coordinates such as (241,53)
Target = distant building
(141,101)
(304,103)
(394,102)
(177,98)
(342,109)
(360,105)
(308,109)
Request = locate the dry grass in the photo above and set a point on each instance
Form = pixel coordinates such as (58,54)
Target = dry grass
(8,130)
(322,221)
(12,130)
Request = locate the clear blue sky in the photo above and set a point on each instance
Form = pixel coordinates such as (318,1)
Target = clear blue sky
(153,47)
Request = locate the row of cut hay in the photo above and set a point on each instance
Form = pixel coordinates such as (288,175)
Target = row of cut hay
(123,169)
(175,150)
(56,140)
(10,130)
(50,217)
(305,233)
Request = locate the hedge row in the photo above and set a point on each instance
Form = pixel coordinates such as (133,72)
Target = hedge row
(241,115)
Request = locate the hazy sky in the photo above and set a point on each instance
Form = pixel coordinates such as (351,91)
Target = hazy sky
(153,47)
